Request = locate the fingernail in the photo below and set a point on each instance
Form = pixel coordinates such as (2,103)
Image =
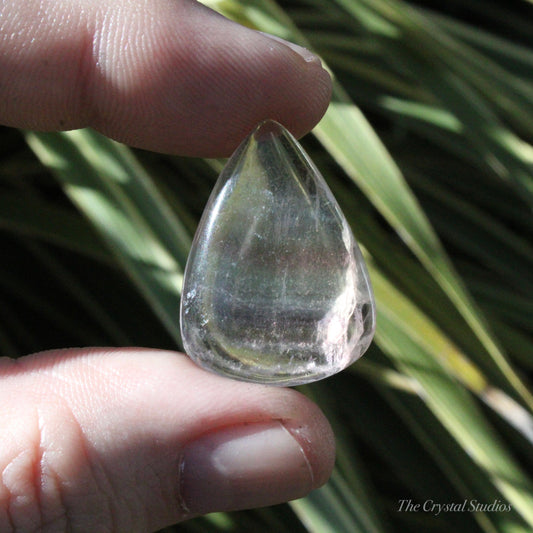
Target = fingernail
(304,52)
(243,467)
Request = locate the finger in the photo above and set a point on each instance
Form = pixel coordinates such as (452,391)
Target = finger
(134,440)
(171,76)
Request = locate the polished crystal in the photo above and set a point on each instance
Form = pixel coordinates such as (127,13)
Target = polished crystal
(276,289)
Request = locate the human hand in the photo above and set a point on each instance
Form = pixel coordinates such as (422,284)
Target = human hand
(165,75)
(131,439)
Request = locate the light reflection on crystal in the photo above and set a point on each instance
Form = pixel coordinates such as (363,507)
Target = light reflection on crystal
(275,289)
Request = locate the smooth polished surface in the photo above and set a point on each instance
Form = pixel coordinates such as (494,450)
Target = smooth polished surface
(275,290)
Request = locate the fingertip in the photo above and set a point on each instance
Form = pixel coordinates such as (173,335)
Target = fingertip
(316,438)
(177,440)
(241,467)
(172,77)
(257,464)
(200,93)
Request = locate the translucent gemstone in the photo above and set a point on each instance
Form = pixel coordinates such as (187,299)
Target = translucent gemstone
(276,290)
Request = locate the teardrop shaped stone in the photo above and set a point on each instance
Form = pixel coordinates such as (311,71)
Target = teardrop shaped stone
(275,290)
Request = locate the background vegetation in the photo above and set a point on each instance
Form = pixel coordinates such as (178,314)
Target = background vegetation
(440,408)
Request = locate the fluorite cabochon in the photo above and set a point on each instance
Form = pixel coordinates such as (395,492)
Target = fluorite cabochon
(275,289)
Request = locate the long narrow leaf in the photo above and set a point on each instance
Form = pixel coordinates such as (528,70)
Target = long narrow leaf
(112,190)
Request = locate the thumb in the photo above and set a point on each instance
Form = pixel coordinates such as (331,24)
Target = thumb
(167,76)
(135,440)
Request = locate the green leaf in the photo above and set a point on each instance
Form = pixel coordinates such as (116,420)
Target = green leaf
(420,351)
(110,188)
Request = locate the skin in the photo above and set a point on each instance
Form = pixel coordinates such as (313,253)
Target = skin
(134,439)
(165,75)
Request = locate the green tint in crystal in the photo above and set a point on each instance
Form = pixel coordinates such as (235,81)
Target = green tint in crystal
(275,290)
